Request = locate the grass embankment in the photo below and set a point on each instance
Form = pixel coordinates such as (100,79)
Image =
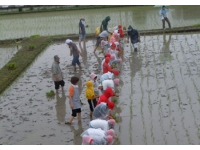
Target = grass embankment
(31,47)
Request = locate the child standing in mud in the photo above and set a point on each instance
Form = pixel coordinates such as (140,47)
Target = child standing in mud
(74,100)
(91,97)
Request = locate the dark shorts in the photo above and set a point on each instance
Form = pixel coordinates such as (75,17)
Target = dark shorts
(75,60)
(81,36)
(57,84)
(92,104)
(98,40)
(75,111)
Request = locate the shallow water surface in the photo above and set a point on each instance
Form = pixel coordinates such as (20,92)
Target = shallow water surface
(66,22)
(7,53)
(158,103)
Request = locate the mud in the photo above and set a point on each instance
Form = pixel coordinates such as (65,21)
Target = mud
(158,103)
(66,22)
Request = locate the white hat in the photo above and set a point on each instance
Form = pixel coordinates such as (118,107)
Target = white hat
(68,41)
(110,30)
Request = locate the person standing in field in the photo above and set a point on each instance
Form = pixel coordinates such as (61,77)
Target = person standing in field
(164,16)
(75,52)
(134,36)
(74,100)
(82,31)
(104,24)
(57,74)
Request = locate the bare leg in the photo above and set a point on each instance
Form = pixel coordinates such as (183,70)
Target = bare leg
(70,120)
(79,116)
(95,48)
(90,114)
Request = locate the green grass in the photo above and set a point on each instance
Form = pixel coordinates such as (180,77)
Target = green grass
(21,60)
(11,66)
(197,25)
(115,100)
(50,94)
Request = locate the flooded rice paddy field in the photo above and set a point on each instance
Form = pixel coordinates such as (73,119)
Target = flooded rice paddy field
(66,22)
(6,53)
(158,104)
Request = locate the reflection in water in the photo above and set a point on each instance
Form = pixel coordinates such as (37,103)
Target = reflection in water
(64,22)
(165,54)
(84,52)
(77,132)
(61,107)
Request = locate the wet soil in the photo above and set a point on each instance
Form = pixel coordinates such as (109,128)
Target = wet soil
(158,103)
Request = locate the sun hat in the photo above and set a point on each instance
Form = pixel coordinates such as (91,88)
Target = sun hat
(109,138)
(116,81)
(68,41)
(92,75)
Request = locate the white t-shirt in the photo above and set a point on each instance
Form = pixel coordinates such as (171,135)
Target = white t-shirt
(104,34)
(108,83)
(99,123)
(92,131)
(113,52)
(106,76)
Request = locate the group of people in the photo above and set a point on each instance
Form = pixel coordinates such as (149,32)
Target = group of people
(100,89)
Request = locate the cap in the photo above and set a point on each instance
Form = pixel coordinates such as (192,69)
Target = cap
(119,60)
(111,105)
(56,57)
(109,139)
(112,57)
(102,42)
(113,45)
(119,26)
(68,41)
(111,122)
(110,132)
(116,72)
(107,55)
(116,81)
(92,75)
(86,139)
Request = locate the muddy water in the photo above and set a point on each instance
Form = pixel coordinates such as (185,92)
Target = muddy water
(66,22)
(6,53)
(158,103)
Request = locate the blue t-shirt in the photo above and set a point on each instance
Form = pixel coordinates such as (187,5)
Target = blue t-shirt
(82,26)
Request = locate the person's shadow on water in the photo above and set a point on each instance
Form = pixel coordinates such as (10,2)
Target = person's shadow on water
(77,133)
(165,54)
(61,107)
